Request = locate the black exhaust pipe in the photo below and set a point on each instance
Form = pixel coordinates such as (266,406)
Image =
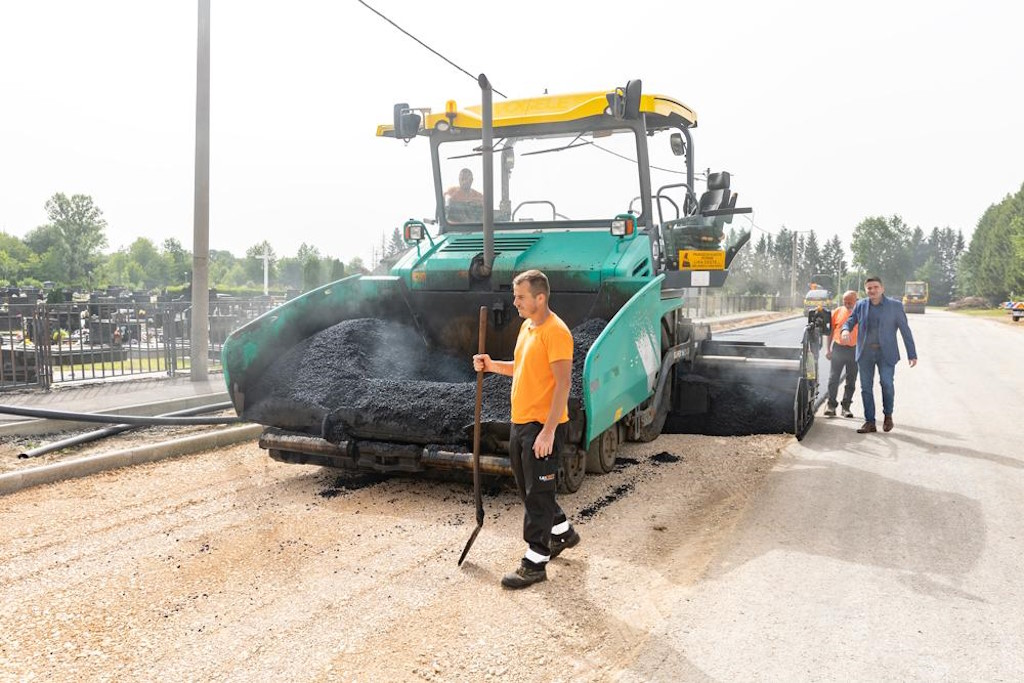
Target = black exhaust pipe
(488,156)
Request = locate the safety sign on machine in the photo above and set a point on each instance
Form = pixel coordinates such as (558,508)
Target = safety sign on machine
(701,260)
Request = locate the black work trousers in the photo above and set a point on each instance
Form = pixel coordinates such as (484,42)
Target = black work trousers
(537,482)
(843,358)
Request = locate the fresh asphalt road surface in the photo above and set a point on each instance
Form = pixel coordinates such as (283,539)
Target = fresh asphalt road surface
(881,557)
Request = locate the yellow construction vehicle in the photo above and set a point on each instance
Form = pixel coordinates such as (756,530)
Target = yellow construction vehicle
(915,296)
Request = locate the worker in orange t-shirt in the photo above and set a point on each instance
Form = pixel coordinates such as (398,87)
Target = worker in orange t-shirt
(541,371)
(843,357)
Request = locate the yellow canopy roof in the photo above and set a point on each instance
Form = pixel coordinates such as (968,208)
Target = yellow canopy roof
(551,109)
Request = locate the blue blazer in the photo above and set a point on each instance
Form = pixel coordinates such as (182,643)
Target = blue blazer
(893,318)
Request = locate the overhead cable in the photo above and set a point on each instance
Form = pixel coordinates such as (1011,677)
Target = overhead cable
(379,14)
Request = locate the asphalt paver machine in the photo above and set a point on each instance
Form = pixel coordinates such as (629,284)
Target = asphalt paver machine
(597,190)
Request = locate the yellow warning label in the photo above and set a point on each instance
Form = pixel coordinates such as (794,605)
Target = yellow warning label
(701,260)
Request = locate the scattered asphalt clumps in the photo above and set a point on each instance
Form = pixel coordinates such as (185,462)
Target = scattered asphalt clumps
(606,500)
(376,379)
(664,457)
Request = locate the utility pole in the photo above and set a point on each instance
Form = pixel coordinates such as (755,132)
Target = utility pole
(792,275)
(266,270)
(200,335)
(792,267)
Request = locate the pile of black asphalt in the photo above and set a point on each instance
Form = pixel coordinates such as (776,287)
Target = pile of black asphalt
(376,379)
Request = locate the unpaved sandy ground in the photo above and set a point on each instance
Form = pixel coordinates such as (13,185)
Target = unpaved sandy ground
(229,566)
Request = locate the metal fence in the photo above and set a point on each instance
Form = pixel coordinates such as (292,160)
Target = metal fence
(42,344)
(701,304)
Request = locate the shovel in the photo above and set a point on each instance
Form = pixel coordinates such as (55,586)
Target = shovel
(476,438)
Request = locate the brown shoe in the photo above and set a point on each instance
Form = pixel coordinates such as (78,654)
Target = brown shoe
(867,428)
(524,575)
(887,423)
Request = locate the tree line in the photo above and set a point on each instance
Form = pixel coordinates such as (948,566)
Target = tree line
(68,250)
(883,247)
(990,267)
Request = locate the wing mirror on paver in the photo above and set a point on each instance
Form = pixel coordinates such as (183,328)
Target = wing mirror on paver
(678,144)
(624,103)
(407,122)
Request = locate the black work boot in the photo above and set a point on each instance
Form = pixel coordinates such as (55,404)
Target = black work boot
(527,574)
(567,540)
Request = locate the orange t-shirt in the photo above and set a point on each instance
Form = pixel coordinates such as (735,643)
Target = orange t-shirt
(839,317)
(533,383)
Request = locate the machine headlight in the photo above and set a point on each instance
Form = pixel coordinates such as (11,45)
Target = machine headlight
(414,231)
(622,227)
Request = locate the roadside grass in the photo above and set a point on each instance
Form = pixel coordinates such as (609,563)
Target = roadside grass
(116,368)
(982,312)
(997,314)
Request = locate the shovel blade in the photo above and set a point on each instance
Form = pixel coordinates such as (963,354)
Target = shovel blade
(469,543)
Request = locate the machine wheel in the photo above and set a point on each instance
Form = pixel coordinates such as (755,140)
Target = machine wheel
(601,454)
(571,470)
(653,430)
(803,408)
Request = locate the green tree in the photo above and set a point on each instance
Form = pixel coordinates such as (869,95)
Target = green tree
(395,245)
(833,260)
(17,261)
(222,263)
(811,263)
(80,225)
(150,268)
(114,270)
(289,273)
(945,249)
(178,263)
(43,238)
(311,274)
(356,266)
(992,267)
(43,242)
(306,252)
(881,247)
(337,270)
(919,249)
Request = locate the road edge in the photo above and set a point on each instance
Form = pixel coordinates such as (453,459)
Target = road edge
(12,482)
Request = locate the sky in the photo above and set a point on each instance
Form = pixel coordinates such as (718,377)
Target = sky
(824,114)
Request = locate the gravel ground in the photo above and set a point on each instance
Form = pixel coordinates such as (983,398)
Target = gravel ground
(229,566)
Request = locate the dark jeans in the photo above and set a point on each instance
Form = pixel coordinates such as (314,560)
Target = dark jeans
(843,358)
(536,479)
(869,359)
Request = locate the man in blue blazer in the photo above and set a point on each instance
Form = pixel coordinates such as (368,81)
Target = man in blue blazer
(879,317)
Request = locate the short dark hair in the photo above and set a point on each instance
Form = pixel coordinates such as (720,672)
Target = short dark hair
(537,280)
(874,278)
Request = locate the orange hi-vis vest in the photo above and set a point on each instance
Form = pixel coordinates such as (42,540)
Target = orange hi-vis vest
(839,317)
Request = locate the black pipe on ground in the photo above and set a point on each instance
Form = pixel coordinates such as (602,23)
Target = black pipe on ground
(116,429)
(147,420)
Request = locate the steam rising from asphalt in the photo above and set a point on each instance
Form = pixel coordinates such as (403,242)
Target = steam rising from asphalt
(375,379)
